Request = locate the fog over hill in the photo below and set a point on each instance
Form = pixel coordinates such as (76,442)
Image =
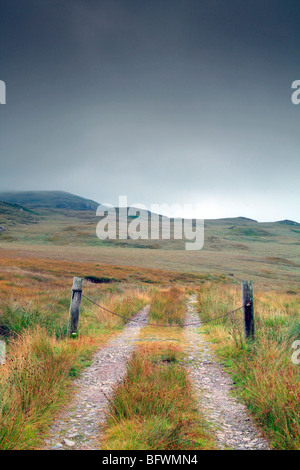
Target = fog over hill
(41,200)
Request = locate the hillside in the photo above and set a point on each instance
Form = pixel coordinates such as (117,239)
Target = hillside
(49,200)
(63,218)
(12,214)
(62,224)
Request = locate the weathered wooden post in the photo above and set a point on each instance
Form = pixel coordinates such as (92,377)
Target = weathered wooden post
(248,309)
(75,305)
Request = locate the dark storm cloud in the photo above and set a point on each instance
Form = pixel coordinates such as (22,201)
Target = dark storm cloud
(165,101)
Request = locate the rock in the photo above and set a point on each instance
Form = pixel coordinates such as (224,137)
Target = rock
(56,446)
(69,443)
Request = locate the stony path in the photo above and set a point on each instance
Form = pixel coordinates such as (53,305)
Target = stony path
(80,425)
(228,418)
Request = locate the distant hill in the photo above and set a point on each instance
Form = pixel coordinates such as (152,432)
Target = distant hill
(231,221)
(288,222)
(11,214)
(62,218)
(48,200)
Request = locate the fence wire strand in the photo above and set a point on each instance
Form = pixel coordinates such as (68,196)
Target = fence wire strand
(200,322)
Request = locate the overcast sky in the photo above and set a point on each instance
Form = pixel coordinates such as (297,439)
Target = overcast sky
(164,101)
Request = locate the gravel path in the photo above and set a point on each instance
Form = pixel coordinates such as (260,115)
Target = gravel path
(228,418)
(79,427)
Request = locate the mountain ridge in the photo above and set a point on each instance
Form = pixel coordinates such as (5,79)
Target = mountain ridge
(63,200)
(48,200)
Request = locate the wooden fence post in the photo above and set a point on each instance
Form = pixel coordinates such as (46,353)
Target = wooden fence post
(248,309)
(75,305)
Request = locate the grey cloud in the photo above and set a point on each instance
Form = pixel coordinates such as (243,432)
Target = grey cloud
(163,101)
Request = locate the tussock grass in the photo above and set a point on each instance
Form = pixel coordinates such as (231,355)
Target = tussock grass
(267,379)
(168,306)
(41,360)
(14,319)
(154,408)
(50,310)
(33,384)
(126,303)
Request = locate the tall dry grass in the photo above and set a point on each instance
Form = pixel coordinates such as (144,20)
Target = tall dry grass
(33,383)
(155,408)
(263,370)
(50,310)
(168,306)
(41,360)
(126,303)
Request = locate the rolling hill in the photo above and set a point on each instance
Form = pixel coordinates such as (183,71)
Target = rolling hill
(12,214)
(64,218)
(49,200)
(61,225)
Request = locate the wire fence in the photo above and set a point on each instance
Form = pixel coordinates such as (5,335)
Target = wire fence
(198,323)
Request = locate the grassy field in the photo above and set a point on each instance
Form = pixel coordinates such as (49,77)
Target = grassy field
(168,307)
(35,294)
(41,249)
(60,226)
(270,264)
(41,360)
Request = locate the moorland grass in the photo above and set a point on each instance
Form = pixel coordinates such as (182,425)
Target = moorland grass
(266,378)
(33,385)
(155,408)
(41,361)
(168,307)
